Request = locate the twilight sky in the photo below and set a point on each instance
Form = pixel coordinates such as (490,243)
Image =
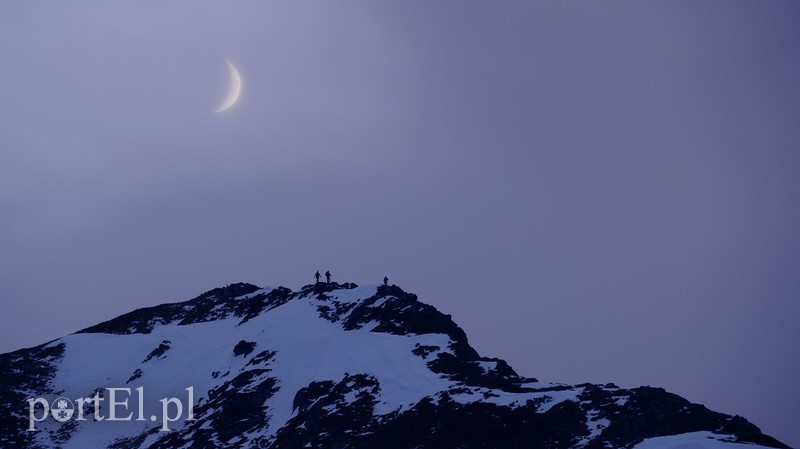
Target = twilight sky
(597,192)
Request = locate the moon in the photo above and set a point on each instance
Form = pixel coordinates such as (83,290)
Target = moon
(234,90)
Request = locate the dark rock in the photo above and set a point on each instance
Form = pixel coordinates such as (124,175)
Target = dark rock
(244,348)
(199,309)
(136,374)
(159,351)
(24,372)
(326,418)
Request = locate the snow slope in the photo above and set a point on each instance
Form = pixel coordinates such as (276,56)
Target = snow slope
(328,366)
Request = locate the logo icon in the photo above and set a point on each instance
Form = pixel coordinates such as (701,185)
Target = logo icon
(63,410)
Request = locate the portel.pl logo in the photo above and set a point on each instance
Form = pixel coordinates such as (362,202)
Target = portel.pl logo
(62,409)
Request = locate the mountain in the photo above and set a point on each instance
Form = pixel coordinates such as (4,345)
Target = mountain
(329,366)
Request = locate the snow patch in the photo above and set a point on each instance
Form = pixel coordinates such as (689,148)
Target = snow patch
(694,440)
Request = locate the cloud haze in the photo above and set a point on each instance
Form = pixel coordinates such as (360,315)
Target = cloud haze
(595,192)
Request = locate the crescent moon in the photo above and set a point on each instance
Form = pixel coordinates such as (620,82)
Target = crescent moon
(233,91)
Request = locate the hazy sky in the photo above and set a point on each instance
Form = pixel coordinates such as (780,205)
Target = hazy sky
(597,192)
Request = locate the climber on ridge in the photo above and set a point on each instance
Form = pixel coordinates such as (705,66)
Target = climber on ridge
(328,277)
(316,275)
(385,281)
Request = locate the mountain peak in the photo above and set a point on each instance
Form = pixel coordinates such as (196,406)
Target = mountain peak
(330,365)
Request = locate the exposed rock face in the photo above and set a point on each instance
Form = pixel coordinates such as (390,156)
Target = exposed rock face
(244,347)
(329,366)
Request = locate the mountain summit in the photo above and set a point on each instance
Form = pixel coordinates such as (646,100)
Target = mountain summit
(329,366)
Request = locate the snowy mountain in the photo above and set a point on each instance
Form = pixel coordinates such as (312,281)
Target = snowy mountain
(329,366)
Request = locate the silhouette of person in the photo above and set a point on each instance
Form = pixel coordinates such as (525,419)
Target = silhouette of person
(316,275)
(328,277)
(385,281)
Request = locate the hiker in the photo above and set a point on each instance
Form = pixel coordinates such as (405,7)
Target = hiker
(328,277)
(385,281)
(316,275)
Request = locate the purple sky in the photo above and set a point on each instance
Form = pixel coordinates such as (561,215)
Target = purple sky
(597,192)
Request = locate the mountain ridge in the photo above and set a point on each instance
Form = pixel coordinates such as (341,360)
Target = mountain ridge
(330,365)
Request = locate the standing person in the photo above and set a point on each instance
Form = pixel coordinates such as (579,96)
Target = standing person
(328,277)
(385,281)
(316,275)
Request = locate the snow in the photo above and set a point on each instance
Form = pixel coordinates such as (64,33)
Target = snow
(487,366)
(308,349)
(311,349)
(557,397)
(694,440)
(256,293)
(353,294)
(595,425)
(501,398)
